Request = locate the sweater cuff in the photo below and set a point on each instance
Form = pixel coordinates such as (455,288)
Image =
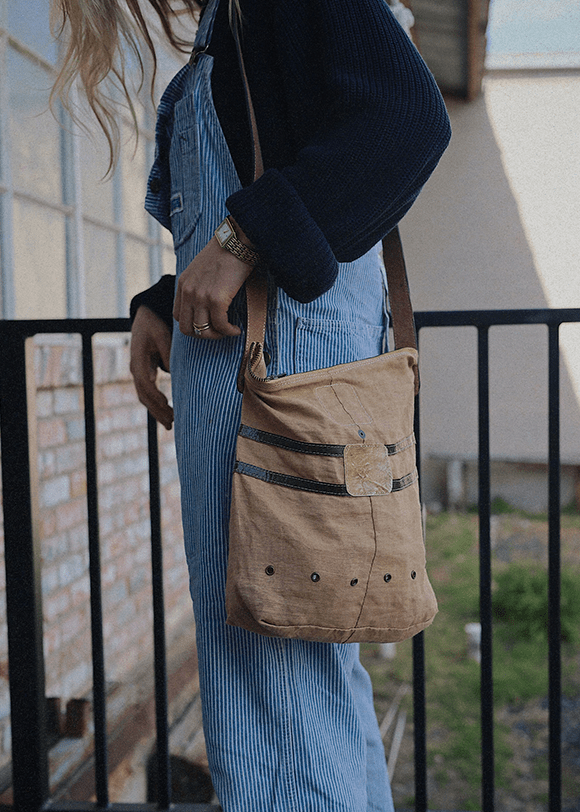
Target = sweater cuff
(158,298)
(292,248)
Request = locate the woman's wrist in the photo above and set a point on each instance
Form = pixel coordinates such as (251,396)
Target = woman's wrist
(241,234)
(232,238)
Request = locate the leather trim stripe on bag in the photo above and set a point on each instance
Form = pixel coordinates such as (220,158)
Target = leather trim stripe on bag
(330,488)
(324,449)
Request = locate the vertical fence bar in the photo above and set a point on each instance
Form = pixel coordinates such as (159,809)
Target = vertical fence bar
(98,652)
(485,614)
(23,576)
(554,622)
(419,722)
(419,697)
(159,645)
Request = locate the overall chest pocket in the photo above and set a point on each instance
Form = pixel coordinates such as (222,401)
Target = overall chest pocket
(184,162)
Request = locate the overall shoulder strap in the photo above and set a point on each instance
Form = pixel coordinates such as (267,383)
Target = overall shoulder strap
(205,30)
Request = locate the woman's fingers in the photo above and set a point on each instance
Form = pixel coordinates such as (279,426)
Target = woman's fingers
(220,323)
(205,291)
(150,349)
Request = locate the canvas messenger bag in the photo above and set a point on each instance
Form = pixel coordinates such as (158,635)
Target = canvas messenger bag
(326,534)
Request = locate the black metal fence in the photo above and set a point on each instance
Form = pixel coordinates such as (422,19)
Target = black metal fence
(23,570)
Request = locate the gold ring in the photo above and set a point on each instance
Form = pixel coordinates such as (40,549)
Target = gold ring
(198,329)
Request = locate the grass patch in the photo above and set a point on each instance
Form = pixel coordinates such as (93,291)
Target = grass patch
(519,657)
(521,602)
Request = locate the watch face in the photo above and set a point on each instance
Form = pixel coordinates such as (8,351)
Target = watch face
(223,232)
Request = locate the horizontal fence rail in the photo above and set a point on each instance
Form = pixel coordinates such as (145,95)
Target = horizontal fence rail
(23,569)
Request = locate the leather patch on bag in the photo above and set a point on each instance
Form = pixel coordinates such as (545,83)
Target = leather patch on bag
(367,470)
(342,404)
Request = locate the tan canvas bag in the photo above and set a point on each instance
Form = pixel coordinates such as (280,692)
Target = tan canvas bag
(326,537)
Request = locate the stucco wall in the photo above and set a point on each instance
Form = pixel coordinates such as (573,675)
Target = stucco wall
(494,229)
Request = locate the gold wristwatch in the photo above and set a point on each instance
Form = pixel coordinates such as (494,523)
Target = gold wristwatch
(227,238)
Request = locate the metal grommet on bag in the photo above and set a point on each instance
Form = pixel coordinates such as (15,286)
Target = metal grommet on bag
(387,577)
(315,577)
(413,574)
(269,570)
(354,582)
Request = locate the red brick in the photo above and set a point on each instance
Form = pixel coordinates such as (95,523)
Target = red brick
(44,403)
(111,445)
(54,548)
(76,623)
(51,432)
(47,523)
(54,491)
(71,514)
(52,639)
(109,574)
(104,421)
(50,580)
(113,395)
(80,592)
(78,484)
(56,604)
(134,512)
(70,457)
(68,400)
(46,463)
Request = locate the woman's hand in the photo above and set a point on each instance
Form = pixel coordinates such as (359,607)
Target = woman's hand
(150,350)
(205,291)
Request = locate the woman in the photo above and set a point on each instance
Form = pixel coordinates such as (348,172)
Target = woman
(351,125)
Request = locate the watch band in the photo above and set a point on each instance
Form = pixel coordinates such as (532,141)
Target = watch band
(242,251)
(234,245)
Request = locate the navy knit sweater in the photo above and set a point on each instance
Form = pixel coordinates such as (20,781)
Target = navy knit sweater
(351,125)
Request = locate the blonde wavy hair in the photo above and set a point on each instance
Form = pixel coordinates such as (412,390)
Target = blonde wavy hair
(102,39)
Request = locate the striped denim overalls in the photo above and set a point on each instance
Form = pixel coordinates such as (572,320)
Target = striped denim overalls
(289,725)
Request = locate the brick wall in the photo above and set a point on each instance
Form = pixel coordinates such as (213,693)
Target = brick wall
(124,524)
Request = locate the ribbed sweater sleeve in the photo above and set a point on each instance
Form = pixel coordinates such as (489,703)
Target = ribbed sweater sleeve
(158,298)
(369,124)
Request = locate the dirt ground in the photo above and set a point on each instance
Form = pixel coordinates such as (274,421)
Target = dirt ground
(528,790)
(526,726)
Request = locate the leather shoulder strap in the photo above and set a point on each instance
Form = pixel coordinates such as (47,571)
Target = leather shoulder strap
(398,289)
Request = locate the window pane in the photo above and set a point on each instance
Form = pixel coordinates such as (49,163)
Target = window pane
(35,135)
(97,194)
(135,171)
(100,272)
(28,20)
(137,275)
(39,262)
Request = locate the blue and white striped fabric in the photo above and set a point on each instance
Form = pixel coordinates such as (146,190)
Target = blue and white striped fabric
(289,725)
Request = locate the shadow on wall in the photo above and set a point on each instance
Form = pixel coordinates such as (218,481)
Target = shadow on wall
(466,249)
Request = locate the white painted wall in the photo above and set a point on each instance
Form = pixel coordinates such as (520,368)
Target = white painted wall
(497,227)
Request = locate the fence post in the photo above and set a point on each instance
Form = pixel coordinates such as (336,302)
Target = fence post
(554,575)
(485,606)
(23,573)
